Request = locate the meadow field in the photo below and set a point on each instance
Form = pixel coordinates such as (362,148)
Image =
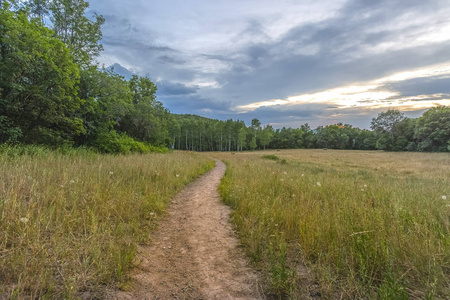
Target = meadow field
(70,221)
(336,224)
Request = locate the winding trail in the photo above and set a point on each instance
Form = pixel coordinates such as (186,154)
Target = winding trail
(194,253)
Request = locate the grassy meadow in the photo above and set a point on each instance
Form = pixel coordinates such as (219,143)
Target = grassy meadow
(338,224)
(70,220)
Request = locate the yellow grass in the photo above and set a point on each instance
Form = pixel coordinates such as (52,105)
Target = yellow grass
(345,224)
(69,224)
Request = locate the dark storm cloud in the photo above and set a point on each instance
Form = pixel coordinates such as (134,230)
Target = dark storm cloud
(171,60)
(193,104)
(167,88)
(422,86)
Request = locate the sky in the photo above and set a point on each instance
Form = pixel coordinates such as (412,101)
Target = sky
(285,62)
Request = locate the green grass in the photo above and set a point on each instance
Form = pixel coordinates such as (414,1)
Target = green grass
(70,222)
(369,225)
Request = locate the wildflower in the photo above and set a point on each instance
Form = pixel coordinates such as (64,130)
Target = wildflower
(318,184)
(303,175)
(362,190)
(365,185)
(111,172)
(61,185)
(72,181)
(285,173)
(281,179)
(24,220)
(444,197)
(177,175)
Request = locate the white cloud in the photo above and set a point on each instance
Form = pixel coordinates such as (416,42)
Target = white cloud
(372,94)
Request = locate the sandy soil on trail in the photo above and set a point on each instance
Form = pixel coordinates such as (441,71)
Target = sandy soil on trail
(194,254)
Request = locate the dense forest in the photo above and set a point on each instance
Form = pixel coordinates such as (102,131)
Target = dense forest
(52,92)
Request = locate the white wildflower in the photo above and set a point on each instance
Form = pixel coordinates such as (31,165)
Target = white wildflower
(24,220)
(362,190)
(444,197)
(111,172)
(281,179)
(285,173)
(303,175)
(318,184)
(177,175)
(72,181)
(365,185)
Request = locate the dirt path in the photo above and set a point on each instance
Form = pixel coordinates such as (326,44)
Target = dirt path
(194,253)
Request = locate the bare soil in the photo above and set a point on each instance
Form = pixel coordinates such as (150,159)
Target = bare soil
(194,254)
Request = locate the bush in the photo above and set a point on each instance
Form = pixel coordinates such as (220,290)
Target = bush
(121,143)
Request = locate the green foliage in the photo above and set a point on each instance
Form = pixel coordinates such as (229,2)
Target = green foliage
(148,119)
(74,29)
(253,144)
(433,129)
(121,143)
(386,121)
(8,132)
(38,82)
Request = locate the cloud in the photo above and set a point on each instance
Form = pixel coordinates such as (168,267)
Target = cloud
(212,57)
(167,88)
(194,104)
(422,86)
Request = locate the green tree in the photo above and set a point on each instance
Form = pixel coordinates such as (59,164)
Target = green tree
(242,137)
(253,144)
(38,82)
(79,33)
(38,8)
(384,125)
(433,129)
(266,136)
(147,121)
(385,121)
(107,100)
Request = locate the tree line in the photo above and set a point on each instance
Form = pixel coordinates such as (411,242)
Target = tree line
(391,131)
(53,93)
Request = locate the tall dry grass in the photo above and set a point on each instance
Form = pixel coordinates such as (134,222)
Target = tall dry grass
(344,224)
(70,222)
